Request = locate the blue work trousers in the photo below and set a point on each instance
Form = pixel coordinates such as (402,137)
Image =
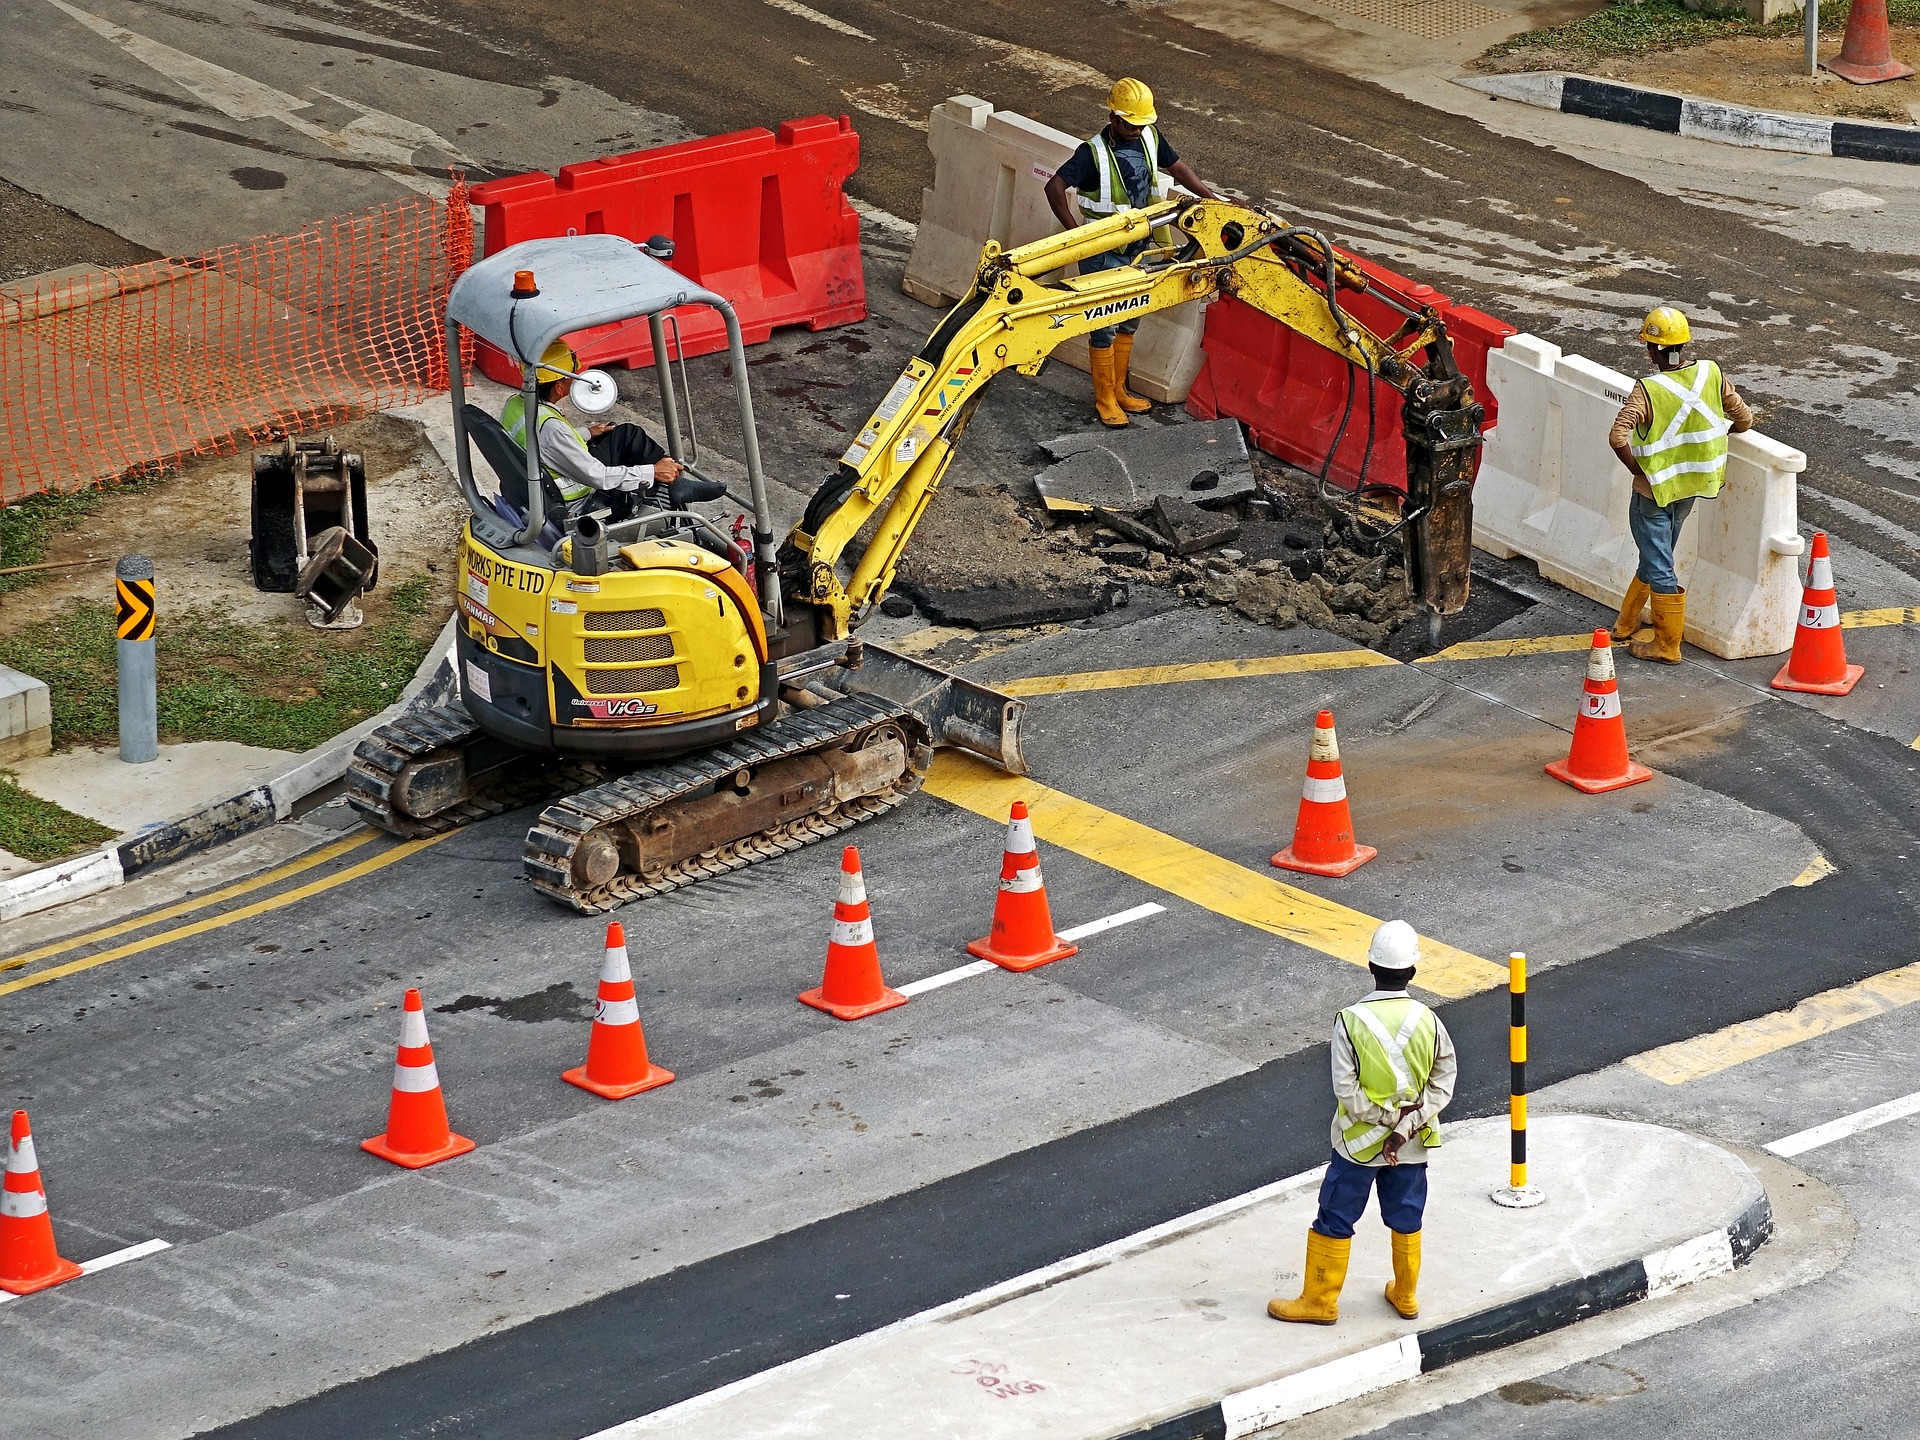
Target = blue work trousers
(1656,530)
(1343,1196)
(1102,339)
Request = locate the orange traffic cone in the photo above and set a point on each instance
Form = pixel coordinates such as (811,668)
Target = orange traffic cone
(617,1064)
(1818,664)
(28,1261)
(1598,761)
(1323,830)
(417,1132)
(1022,936)
(1866,53)
(852,988)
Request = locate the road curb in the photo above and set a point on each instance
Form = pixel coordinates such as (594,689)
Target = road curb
(1248,1412)
(224,820)
(1698,119)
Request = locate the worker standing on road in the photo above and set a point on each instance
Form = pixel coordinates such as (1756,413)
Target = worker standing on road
(1128,165)
(1393,1073)
(1672,437)
(622,461)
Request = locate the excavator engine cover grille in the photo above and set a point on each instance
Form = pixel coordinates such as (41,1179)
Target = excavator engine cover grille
(627,649)
(640,680)
(604,621)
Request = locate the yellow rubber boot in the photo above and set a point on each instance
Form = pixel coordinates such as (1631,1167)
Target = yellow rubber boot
(1122,362)
(1669,623)
(1319,1302)
(1106,400)
(1406,1275)
(1631,610)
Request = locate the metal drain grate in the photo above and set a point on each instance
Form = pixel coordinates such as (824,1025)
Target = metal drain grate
(1429,19)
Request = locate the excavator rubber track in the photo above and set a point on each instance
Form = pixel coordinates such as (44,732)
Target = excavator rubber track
(656,791)
(428,733)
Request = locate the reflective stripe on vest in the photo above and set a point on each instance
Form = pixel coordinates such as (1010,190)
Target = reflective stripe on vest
(1684,452)
(1112,196)
(513,419)
(1394,1042)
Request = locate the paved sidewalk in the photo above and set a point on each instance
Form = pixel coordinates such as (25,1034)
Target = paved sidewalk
(1160,1329)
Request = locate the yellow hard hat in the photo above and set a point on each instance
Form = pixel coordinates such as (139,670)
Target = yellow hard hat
(1665,326)
(1132,101)
(561,355)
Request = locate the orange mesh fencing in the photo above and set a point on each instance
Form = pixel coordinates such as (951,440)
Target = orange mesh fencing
(112,372)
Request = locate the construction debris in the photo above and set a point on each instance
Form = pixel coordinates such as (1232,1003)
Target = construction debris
(1125,470)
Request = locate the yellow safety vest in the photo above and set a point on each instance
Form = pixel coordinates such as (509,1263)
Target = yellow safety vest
(1394,1042)
(1682,450)
(1112,195)
(513,419)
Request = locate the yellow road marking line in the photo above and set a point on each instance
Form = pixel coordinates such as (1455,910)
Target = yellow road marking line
(1868,619)
(1817,1015)
(1817,870)
(187,907)
(230,917)
(1194,874)
(1502,649)
(1198,670)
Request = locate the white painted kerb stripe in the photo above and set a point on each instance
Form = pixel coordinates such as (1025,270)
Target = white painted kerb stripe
(1351,1376)
(1700,1258)
(1805,1140)
(107,1262)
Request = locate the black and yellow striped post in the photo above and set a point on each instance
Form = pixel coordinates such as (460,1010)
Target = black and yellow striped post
(139,713)
(1517,1194)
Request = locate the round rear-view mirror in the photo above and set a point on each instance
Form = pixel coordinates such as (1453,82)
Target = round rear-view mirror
(594,392)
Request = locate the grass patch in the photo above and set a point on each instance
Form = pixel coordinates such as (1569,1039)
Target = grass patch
(28,526)
(281,686)
(1633,27)
(36,829)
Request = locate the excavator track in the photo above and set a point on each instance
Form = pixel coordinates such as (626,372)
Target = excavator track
(551,861)
(431,733)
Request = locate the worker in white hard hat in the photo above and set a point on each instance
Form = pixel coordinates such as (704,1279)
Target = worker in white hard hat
(1672,437)
(1129,164)
(1393,1073)
(621,461)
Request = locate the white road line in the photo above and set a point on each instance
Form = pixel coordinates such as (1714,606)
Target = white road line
(1108,922)
(1079,932)
(1805,1140)
(947,977)
(107,1262)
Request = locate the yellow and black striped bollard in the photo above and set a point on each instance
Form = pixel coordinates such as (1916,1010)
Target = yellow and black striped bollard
(139,711)
(1517,1194)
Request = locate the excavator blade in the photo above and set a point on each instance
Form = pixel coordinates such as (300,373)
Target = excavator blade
(958,712)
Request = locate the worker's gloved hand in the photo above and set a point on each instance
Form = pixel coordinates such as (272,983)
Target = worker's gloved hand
(687,490)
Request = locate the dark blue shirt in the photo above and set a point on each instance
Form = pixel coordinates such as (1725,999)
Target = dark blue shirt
(1082,171)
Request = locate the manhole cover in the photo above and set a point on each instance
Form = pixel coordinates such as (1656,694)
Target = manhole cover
(1430,19)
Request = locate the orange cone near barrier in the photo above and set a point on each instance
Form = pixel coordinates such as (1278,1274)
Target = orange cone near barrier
(1323,831)
(1022,936)
(1597,761)
(1818,664)
(852,988)
(28,1261)
(1866,51)
(617,1064)
(417,1131)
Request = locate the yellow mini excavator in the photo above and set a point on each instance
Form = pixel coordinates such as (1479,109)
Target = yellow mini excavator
(696,704)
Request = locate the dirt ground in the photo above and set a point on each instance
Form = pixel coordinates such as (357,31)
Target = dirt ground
(36,236)
(194,526)
(1769,74)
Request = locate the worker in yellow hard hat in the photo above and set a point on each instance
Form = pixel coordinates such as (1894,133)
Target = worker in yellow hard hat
(621,460)
(1129,164)
(1672,437)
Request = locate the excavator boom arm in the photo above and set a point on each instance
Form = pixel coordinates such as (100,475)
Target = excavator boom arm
(1021,309)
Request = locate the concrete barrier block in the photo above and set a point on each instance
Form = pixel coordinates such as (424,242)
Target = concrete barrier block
(990,172)
(26,716)
(1550,489)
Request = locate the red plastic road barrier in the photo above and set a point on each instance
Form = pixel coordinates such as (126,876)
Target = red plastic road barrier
(1289,392)
(756,217)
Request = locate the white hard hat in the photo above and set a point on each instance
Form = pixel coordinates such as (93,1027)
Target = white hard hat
(1396,946)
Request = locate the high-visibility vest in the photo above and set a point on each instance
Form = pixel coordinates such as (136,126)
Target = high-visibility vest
(513,419)
(1682,450)
(1394,1043)
(1112,195)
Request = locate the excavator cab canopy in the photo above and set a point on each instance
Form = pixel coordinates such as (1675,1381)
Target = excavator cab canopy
(579,282)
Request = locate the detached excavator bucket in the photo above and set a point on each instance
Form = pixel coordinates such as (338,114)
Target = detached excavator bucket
(958,712)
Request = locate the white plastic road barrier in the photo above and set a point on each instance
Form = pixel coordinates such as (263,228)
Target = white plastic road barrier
(989,179)
(1550,489)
